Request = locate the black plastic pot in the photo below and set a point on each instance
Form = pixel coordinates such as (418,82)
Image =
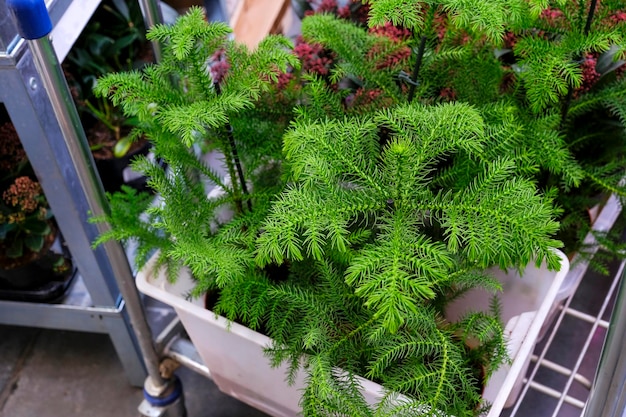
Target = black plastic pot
(36,280)
(49,292)
(112,171)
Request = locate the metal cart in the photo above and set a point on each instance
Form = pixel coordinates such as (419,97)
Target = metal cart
(35,94)
(94,303)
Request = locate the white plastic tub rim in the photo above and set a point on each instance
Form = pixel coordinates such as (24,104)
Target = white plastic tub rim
(235,354)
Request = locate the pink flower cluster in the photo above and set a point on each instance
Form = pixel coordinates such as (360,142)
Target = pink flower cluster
(590,75)
(355,11)
(447,94)
(390,59)
(392,32)
(284,78)
(441,25)
(314,57)
(618,17)
(363,98)
(24,194)
(344,12)
(219,66)
(510,39)
(551,16)
(327,6)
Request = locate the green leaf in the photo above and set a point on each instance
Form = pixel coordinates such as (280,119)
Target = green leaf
(122,7)
(16,249)
(5,229)
(36,226)
(49,214)
(122,147)
(122,43)
(607,61)
(34,242)
(98,43)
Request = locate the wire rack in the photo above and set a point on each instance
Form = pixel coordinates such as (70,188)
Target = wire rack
(564,362)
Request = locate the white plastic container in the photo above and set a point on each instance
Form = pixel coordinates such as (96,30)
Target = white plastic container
(234,353)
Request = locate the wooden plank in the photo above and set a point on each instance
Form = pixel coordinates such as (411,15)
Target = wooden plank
(252,20)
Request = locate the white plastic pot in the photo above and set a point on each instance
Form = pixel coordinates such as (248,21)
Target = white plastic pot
(234,354)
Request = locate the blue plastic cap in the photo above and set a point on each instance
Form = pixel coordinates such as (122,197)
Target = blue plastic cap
(31,17)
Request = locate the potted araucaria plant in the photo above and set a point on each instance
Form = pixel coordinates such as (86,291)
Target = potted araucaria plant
(113,40)
(342,240)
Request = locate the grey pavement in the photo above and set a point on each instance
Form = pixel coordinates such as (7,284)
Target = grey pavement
(54,373)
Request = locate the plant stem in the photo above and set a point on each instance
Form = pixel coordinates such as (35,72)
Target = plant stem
(347,337)
(233,149)
(570,91)
(416,69)
(430,17)
(236,160)
(100,115)
(232,173)
(565,108)
(592,11)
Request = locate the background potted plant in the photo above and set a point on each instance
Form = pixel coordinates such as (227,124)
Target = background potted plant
(33,264)
(584,103)
(114,40)
(560,64)
(347,249)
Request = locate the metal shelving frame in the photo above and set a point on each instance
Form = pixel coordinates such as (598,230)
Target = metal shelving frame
(94,303)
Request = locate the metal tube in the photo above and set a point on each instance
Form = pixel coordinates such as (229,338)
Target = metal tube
(55,84)
(152,16)
(76,143)
(184,352)
(608,394)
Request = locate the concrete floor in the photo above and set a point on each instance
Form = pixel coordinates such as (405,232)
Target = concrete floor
(53,373)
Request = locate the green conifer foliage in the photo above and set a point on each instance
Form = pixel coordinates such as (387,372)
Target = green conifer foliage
(487,18)
(556,66)
(570,63)
(194,96)
(363,194)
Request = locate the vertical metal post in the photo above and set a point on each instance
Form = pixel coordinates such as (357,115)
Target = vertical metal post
(152,16)
(34,24)
(608,394)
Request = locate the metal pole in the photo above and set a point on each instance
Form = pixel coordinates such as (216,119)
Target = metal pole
(34,25)
(608,394)
(152,16)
